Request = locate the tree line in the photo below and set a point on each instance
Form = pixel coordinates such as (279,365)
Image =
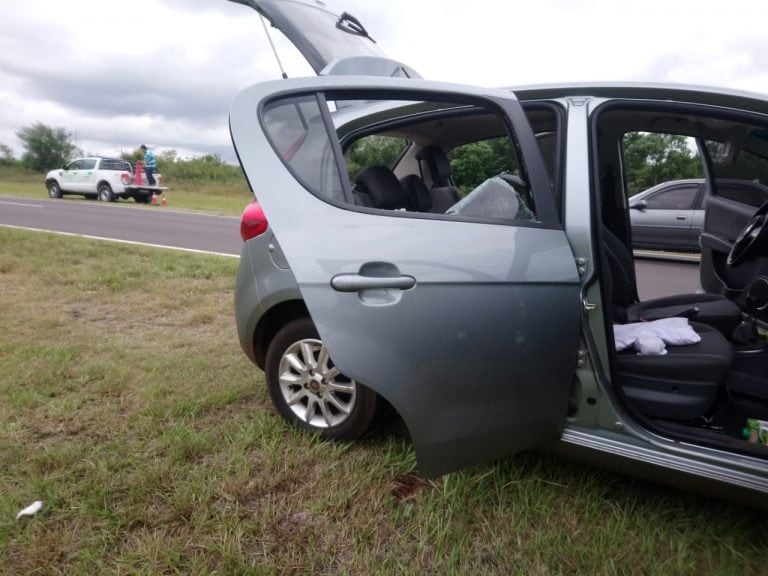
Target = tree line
(47,148)
(650,158)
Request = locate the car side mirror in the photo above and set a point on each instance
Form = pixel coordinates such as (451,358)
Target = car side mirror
(639,205)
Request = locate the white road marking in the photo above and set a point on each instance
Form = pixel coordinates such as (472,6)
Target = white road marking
(194,250)
(22,204)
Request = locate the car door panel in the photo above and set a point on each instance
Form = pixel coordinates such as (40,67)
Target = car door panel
(469,329)
(664,228)
(70,177)
(667,218)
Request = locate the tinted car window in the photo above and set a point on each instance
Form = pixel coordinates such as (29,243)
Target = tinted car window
(76,165)
(675,199)
(88,164)
(296,130)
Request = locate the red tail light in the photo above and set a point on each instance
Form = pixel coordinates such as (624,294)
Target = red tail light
(253,222)
(126,178)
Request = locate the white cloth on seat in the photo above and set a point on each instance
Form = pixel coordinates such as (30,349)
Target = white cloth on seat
(645,336)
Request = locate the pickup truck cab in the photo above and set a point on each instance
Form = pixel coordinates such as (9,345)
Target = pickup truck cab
(96,177)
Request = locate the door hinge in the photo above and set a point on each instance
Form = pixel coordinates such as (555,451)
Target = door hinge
(581,265)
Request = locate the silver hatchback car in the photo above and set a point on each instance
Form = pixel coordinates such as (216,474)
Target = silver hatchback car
(492,312)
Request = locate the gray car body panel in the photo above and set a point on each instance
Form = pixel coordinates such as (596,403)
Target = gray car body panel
(468,386)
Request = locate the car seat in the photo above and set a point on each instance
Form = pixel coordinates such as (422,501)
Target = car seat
(710,309)
(682,384)
(417,193)
(378,187)
(443,193)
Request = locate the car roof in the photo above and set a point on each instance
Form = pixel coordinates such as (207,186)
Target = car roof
(651,91)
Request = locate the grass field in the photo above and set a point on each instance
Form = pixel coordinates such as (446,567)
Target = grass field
(214,197)
(128,408)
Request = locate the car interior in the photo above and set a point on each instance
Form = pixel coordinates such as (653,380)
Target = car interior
(701,392)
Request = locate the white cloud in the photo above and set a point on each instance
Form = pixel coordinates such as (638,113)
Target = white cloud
(164,72)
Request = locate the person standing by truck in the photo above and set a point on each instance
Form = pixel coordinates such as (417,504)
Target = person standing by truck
(150,164)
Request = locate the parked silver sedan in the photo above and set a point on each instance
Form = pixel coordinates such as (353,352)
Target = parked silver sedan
(493,315)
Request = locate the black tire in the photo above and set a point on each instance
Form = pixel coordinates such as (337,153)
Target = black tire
(309,387)
(105,193)
(54,191)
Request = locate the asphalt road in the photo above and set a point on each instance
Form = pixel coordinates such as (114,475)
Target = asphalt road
(221,234)
(122,221)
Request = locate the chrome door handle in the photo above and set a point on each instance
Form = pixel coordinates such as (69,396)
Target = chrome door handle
(357,282)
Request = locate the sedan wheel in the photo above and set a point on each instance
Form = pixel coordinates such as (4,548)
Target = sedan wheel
(309,391)
(105,193)
(53,190)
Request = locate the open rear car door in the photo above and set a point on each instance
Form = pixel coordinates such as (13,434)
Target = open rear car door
(467,322)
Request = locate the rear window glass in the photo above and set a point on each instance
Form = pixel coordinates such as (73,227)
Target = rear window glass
(114,164)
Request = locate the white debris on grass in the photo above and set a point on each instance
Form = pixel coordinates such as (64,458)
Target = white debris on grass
(31,510)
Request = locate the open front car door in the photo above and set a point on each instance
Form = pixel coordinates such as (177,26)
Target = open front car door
(465,318)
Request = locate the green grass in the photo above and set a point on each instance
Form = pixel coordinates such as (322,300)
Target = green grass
(218,198)
(127,406)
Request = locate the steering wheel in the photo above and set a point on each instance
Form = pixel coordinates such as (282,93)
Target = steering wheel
(750,239)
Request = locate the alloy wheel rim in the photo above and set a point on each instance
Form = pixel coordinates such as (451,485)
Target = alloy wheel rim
(313,388)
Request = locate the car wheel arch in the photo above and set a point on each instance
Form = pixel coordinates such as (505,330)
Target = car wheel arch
(279,316)
(271,322)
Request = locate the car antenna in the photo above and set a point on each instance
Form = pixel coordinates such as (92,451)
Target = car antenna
(274,50)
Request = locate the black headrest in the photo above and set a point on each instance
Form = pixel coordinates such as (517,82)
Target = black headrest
(416,192)
(437,164)
(381,184)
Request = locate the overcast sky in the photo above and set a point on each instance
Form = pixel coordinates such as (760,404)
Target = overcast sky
(117,74)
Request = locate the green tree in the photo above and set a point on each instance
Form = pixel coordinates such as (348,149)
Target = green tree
(472,164)
(382,150)
(652,158)
(45,147)
(6,156)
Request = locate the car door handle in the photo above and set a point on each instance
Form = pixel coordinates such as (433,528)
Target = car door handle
(358,282)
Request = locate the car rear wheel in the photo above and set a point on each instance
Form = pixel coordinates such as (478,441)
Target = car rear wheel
(54,191)
(105,193)
(309,391)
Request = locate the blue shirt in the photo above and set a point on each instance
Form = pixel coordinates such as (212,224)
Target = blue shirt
(149,159)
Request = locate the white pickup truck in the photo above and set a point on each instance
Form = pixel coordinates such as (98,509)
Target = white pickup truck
(104,178)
